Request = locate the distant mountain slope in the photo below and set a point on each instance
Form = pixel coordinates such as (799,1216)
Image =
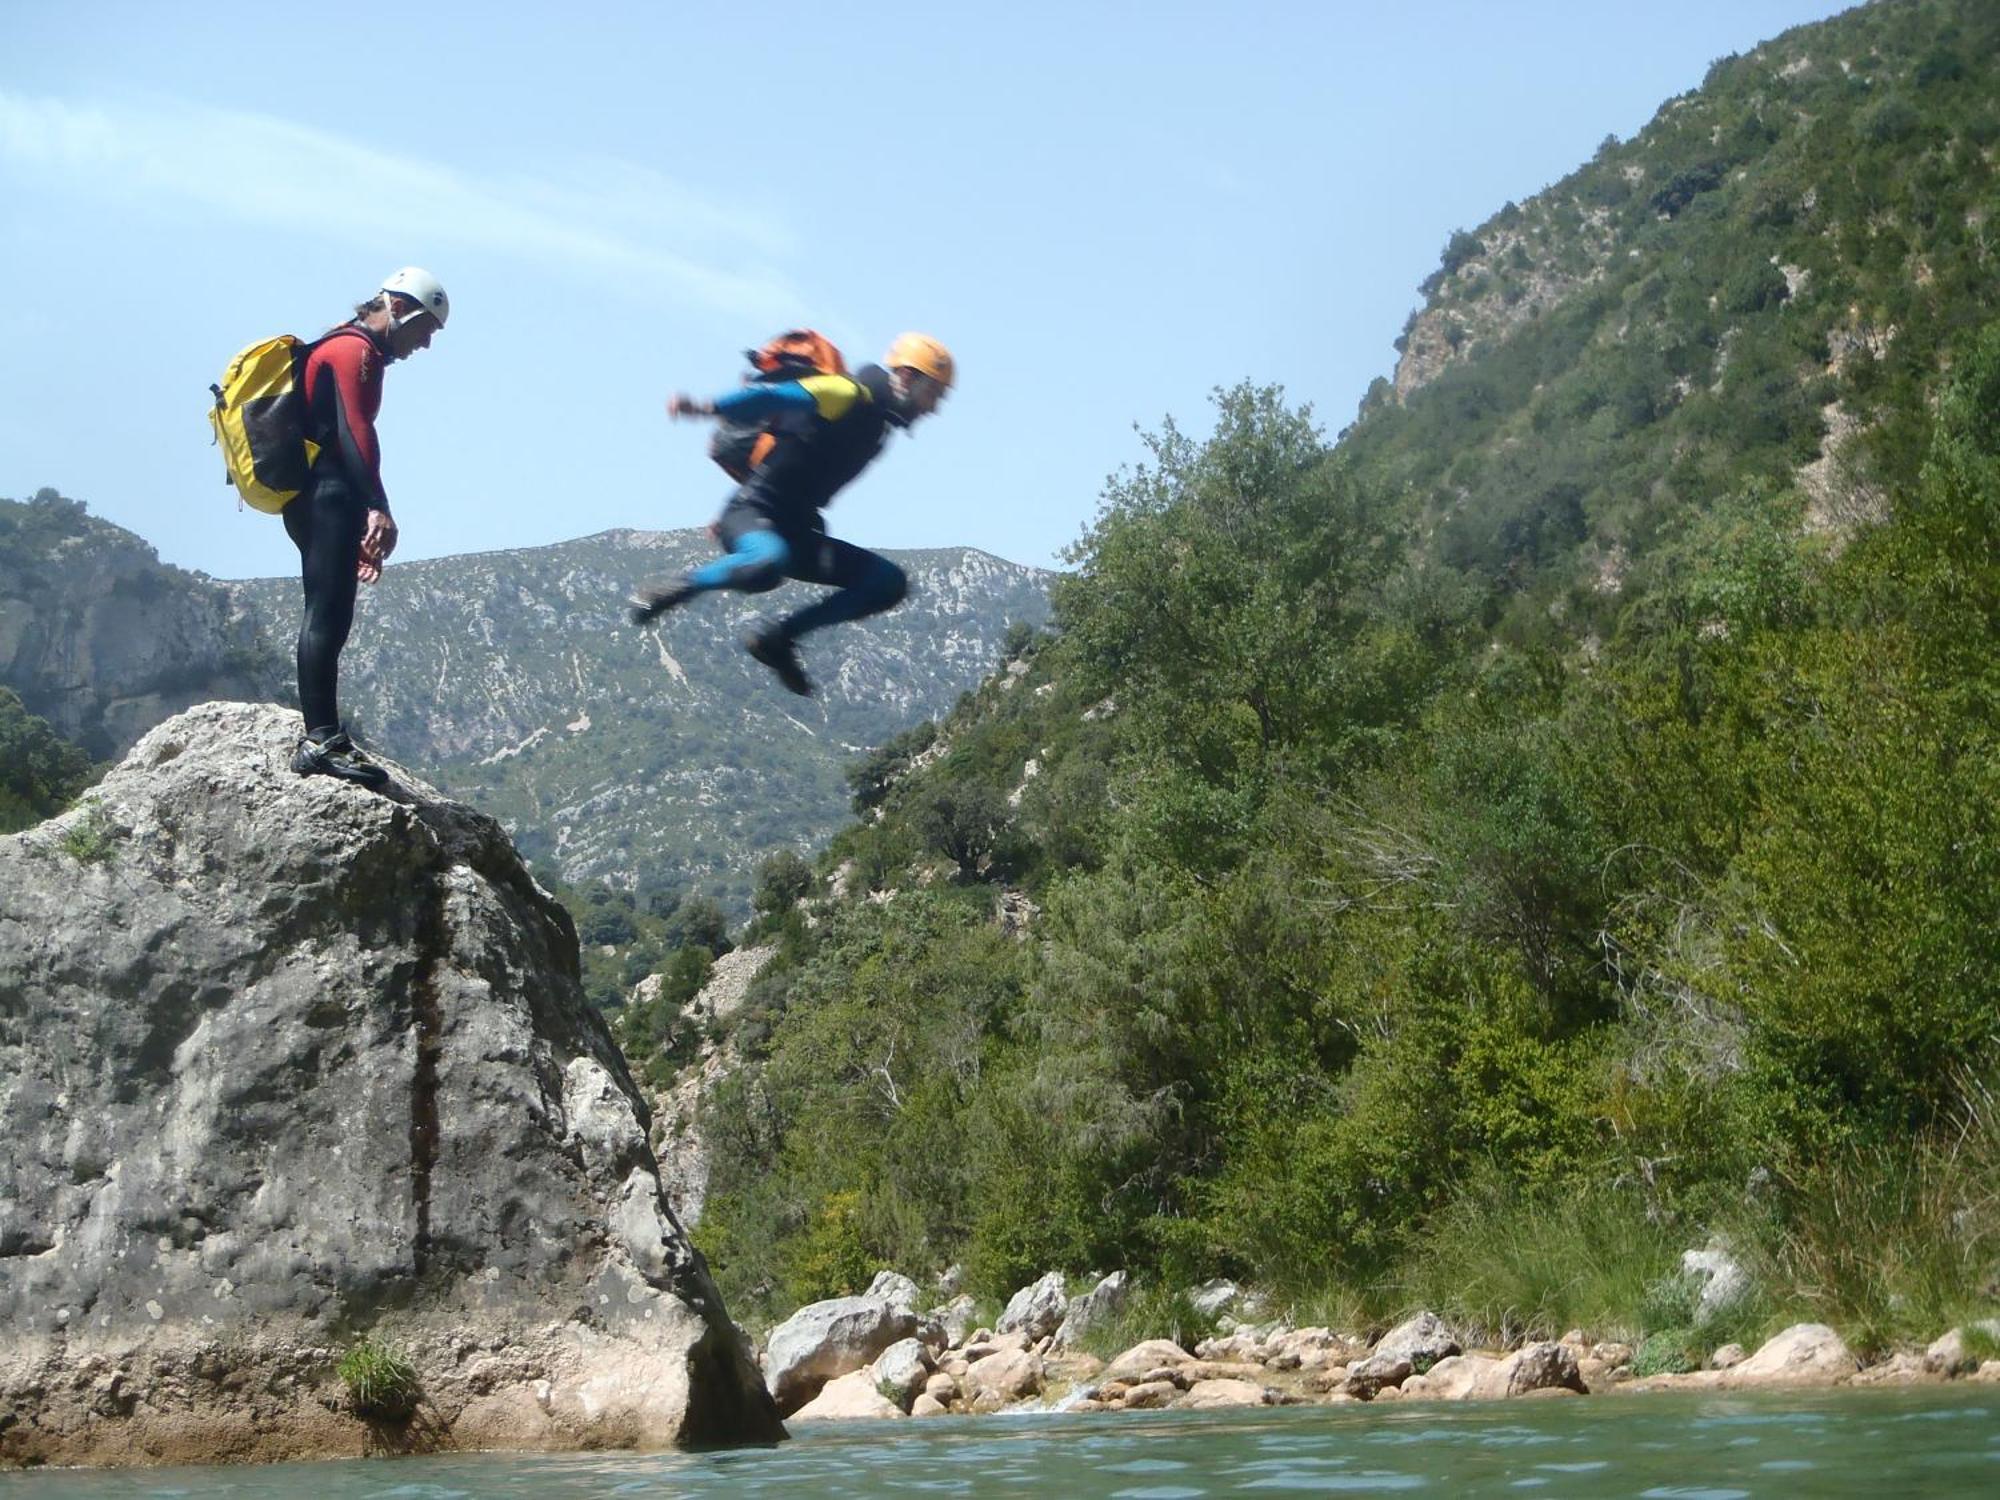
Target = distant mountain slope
(655,758)
(1752,295)
(103,640)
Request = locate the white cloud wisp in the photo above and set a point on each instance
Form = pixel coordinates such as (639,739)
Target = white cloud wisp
(590,217)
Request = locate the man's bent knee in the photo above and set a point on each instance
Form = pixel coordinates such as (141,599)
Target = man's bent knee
(890,585)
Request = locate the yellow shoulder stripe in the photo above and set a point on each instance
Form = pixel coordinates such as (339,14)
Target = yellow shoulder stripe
(834,395)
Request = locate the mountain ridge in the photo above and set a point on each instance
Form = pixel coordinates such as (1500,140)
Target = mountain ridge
(612,754)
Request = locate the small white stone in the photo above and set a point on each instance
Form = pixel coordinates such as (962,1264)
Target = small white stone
(155,1311)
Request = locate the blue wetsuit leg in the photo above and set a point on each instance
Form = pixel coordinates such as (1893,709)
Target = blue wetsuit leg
(754,563)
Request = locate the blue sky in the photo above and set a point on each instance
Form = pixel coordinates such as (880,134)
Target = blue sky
(1105,209)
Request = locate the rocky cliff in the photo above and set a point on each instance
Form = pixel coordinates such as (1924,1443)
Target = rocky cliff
(103,640)
(282,1063)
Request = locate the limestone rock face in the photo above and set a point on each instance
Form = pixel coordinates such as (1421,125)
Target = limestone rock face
(677,1135)
(1459,1377)
(1378,1372)
(1011,1374)
(1213,1298)
(1723,1280)
(282,1059)
(1150,1395)
(955,1318)
(825,1340)
(103,640)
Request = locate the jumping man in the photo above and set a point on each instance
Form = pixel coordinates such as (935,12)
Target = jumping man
(828,428)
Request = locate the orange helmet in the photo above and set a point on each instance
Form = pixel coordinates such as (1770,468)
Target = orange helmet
(924,354)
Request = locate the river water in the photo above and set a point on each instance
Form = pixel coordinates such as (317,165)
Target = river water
(1936,1441)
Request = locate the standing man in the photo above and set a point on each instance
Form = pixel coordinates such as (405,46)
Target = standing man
(340,522)
(828,428)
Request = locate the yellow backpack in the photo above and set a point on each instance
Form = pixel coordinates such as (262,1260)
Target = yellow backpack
(259,419)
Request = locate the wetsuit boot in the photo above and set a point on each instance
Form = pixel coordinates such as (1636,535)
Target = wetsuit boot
(333,754)
(776,650)
(648,604)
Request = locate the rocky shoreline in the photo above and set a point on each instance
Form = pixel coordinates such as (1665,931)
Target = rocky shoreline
(875,1356)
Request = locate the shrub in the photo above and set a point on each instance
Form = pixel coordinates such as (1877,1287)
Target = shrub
(1150,1310)
(381,1382)
(91,839)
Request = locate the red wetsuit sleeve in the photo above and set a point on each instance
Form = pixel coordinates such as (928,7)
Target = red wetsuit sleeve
(344,392)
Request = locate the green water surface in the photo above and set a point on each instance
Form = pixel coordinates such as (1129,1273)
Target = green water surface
(1936,1441)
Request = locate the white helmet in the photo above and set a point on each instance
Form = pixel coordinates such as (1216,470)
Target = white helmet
(422,288)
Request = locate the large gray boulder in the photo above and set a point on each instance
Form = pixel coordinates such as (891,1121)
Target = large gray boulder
(281,1061)
(1410,1348)
(852,1397)
(1098,1305)
(1804,1354)
(825,1340)
(1541,1366)
(1950,1354)
(1423,1340)
(901,1370)
(1036,1310)
(893,1287)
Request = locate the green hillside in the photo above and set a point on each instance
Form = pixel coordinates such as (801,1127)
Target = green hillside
(1478,859)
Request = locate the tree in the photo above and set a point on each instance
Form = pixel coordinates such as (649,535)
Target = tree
(698,922)
(40,772)
(782,881)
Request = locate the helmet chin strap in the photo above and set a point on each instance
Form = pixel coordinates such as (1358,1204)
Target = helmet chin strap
(899,410)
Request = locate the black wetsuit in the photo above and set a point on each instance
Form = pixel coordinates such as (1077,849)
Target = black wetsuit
(343,380)
(828,429)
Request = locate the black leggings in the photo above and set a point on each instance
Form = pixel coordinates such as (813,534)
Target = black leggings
(762,553)
(325,522)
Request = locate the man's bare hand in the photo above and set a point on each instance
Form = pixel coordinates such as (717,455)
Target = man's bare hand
(377,542)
